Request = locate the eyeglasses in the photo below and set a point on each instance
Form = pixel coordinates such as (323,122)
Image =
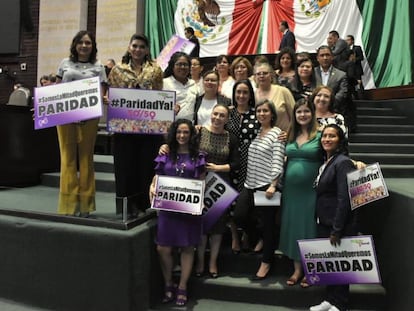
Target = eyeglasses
(195,65)
(184,65)
(262,73)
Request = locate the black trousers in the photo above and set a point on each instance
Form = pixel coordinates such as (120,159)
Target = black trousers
(337,295)
(250,217)
(134,156)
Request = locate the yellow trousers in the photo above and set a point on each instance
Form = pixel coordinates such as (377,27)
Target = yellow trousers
(77,144)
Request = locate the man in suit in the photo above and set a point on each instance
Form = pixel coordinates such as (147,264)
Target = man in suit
(189,34)
(327,74)
(339,48)
(359,57)
(288,39)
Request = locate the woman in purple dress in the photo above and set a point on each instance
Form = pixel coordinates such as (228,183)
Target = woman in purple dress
(177,229)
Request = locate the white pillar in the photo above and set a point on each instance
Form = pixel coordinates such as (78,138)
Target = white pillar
(59,21)
(116,22)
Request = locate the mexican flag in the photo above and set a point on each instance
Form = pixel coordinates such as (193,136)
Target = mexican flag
(232,27)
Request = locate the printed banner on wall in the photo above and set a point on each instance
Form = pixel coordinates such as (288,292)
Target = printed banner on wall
(68,102)
(366,185)
(176,194)
(138,111)
(353,262)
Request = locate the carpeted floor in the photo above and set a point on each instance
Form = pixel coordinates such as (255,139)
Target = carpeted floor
(43,199)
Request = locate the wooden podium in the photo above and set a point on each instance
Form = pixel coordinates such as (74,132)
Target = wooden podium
(25,153)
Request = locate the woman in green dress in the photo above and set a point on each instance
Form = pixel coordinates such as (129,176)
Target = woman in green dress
(304,158)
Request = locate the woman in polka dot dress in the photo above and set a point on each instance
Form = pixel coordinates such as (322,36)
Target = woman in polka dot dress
(244,125)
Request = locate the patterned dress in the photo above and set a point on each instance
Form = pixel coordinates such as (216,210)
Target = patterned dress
(338,119)
(178,229)
(245,127)
(220,149)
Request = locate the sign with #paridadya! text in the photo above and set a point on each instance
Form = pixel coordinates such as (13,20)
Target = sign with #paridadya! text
(366,185)
(139,111)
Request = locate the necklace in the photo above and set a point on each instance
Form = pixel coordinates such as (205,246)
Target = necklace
(179,167)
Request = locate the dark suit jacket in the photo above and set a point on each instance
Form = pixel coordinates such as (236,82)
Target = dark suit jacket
(359,57)
(333,207)
(288,40)
(196,51)
(338,82)
(340,52)
(220,100)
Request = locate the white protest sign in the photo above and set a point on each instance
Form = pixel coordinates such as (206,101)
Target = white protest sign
(352,262)
(366,185)
(176,194)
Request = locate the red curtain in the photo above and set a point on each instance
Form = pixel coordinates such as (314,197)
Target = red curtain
(244,33)
(279,10)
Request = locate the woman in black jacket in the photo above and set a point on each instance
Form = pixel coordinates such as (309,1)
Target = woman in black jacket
(333,210)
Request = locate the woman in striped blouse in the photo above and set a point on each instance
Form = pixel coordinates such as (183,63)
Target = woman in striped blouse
(264,168)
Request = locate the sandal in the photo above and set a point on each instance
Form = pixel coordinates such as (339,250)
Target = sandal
(292,281)
(304,283)
(181,297)
(169,293)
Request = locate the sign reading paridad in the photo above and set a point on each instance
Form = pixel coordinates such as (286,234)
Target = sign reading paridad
(353,262)
(176,194)
(68,102)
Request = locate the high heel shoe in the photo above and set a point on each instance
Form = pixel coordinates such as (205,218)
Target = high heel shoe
(235,251)
(169,293)
(259,247)
(199,274)
(181,297)
(261,278)
(213,275)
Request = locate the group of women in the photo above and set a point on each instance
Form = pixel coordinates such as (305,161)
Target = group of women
(233,121)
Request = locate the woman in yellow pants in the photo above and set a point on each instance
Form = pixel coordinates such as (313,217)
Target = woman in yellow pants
(77,140)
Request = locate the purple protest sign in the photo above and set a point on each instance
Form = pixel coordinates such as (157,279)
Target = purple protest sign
(68,102)
(217,198)
(175,44)
(176,194)
(138,111)
(353,262)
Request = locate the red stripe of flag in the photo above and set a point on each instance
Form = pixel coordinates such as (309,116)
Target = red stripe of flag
(278,11)
(244,34)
